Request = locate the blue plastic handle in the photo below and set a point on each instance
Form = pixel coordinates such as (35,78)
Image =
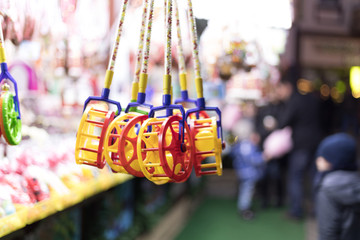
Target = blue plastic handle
(104,98)
(135,105)
(139,103)
(185,98)
(6,75)
(201,107)
(169,107)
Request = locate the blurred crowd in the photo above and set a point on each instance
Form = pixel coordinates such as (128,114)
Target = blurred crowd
(287,150)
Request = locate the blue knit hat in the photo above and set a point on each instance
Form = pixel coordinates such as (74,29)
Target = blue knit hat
(340,150)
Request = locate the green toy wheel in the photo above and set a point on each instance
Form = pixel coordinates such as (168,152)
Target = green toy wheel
(9,123)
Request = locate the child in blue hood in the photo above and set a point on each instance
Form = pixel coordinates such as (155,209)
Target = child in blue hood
(249,165)
(338,189)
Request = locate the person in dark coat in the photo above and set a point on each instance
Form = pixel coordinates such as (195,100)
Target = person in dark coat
(338,189)
(272,183)
(301,113)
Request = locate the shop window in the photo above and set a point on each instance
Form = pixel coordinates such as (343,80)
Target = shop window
(329,12)
(355,18)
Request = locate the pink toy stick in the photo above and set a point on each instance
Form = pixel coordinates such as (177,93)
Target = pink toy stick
(194,40)
(179,43)
(141,42)
(119,31)
(145,61)
(168,38)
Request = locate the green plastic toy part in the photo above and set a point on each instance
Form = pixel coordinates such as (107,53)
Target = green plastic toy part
(10,124)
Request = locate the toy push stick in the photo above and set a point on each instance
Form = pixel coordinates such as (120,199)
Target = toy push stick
(95,120)
(206,132)
(120,147)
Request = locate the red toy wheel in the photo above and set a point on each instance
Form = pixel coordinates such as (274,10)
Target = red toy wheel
(127,146)
(111,152)
(175,155)
(108,119)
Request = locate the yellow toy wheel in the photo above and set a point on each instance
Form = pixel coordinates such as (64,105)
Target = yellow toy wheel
(111,151)
(208,146)
(91,136)
(148,151)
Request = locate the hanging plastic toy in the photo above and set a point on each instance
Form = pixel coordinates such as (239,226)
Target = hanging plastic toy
(181,59)
(207,132)
(184,99)
(10,117)
(96,118)
(164,142)
(120,147)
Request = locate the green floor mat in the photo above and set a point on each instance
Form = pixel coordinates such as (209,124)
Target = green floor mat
(217,219)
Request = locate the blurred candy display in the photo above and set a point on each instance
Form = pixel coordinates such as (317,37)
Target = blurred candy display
(36,184)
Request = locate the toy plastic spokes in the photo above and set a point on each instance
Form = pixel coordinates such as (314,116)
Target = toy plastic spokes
(163,145)
(91,135)
(151,148)
(128,155)
(177,162)
(111,149)
(148,151)
(10,120)
(119,148)
(207,146)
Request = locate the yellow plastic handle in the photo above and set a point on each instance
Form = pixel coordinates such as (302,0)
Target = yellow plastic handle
(167,84)
(134,91)
(183,81)
(143,82)
(108,78)
(199,87)
(2,55)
